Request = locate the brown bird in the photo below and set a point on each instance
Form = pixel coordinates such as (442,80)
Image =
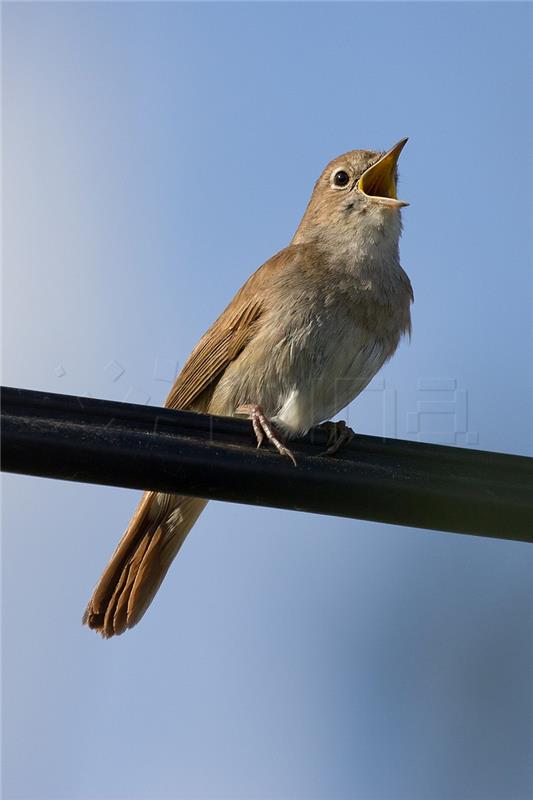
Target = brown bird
(301,339)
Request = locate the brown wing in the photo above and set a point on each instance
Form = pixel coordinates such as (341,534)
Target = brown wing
(216,349)
(227,336)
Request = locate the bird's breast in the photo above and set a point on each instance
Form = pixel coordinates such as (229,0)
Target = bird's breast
(320,341)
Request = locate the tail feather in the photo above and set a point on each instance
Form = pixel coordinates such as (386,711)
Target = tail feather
(141,561)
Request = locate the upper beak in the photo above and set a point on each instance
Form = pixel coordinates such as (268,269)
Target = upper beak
(379,180)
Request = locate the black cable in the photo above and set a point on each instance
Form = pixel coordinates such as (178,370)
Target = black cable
(387,480)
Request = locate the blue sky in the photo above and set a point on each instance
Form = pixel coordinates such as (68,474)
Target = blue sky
(153,156)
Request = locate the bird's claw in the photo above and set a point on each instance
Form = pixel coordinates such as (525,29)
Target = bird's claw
(263,427)
(339,434)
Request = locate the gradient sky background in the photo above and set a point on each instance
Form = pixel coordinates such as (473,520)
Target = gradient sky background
(154,155)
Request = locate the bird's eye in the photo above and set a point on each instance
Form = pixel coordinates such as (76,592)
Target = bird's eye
(341,178)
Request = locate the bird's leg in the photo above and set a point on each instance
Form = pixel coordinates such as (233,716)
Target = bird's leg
(339,434)
(263,427)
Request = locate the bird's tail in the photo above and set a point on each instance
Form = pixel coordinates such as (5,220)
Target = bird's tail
(141,561)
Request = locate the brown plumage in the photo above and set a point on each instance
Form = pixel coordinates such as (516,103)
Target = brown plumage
(302,337)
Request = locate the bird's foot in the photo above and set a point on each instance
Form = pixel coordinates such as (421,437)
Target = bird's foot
(339,434)
(263,427)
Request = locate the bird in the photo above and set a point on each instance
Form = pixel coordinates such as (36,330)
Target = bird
(299,341)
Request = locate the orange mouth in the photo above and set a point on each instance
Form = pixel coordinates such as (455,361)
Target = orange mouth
(379,180)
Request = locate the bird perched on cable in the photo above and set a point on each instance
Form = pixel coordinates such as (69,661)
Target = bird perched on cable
(303,337)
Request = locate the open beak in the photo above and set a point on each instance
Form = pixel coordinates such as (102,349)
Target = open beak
(379,180)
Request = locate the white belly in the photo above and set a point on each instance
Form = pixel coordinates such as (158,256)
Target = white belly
(348,368)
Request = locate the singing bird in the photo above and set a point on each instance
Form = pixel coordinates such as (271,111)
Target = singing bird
(303,337)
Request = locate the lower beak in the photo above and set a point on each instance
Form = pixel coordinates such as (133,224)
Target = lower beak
(379,180)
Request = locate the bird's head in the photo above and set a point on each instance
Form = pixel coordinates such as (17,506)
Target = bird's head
(356,193)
